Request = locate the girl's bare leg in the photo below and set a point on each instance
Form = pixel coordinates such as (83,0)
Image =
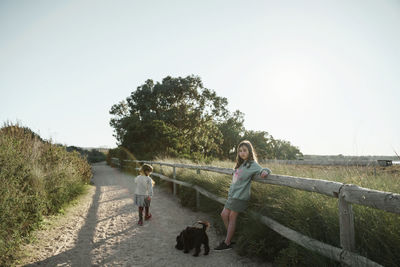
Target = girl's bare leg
(231,226)
(225,217)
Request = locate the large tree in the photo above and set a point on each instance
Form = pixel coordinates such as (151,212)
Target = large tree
(176,116)
(179,117)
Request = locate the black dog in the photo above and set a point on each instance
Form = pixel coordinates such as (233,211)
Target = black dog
(193,237)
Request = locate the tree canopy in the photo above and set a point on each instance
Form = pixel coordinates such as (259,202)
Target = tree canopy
(179,117)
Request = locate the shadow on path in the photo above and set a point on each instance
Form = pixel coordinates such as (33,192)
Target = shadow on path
(80,254)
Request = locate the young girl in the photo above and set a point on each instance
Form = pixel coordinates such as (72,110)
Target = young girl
(144,192)
(246,169)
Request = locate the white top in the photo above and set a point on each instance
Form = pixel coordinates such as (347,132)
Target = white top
(144,185)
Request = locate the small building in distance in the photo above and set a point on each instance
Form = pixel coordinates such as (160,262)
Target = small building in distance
(384,162)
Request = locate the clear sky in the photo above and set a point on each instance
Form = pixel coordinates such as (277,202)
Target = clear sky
(323,75)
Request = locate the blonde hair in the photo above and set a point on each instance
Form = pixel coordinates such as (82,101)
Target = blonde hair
(149,169)
(146,168)
(252,153)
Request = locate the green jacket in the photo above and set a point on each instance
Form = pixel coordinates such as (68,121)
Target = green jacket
(241,180)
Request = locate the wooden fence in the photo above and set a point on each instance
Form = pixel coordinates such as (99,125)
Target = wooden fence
(347,195)
(329,162)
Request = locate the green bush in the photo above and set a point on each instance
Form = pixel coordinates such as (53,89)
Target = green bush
(36,178)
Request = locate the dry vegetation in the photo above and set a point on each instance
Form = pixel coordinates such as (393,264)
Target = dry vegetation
(37,178)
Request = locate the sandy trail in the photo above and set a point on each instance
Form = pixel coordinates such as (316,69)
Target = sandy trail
(102,230)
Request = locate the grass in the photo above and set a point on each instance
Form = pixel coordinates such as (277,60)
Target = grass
(37,179)
(312,214)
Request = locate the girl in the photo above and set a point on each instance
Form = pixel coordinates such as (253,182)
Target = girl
(144,192)
(239,192)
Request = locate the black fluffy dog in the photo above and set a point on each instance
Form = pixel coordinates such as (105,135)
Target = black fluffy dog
(193,237)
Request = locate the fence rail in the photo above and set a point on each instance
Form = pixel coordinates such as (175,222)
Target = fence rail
(328,162)
(347,194)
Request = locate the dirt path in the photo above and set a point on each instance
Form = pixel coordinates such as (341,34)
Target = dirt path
(102,230)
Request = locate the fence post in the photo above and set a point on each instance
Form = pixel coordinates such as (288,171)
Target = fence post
(346,223)
(174,184)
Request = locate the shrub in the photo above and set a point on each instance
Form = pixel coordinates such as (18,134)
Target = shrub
(36,178)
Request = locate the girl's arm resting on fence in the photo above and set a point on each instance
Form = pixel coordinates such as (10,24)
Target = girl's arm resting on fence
(258,171)
(264,172)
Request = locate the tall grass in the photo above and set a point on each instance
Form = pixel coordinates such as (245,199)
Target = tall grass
(315,215)
(37,178)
